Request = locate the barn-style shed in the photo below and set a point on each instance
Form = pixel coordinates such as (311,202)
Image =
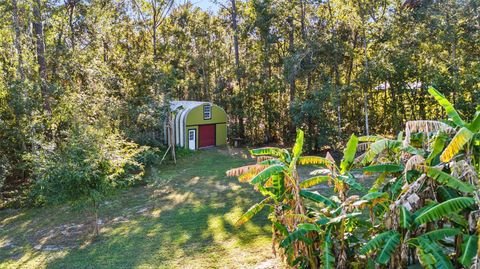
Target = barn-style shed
(197,125)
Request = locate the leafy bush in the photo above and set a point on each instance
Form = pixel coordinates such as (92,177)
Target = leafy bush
(4,167)
(87,166)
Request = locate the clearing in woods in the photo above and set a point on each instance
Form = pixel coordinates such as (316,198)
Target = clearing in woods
(182,217)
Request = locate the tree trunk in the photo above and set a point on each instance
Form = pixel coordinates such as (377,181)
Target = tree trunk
(96,228)
(302,20)
(42,65)
(291,49)
(71,9)
(338,89)
(154,34)
(17,42)
(365,89)
(235,40)
(237,68)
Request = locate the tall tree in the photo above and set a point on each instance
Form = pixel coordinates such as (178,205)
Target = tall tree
(17,40)
(40,45)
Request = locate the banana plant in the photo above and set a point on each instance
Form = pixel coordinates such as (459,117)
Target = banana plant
(429,246)
(467,134)
(294,225)
(275,176)
(423,197)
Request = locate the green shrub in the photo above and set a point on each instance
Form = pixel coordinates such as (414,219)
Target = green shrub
(85,167)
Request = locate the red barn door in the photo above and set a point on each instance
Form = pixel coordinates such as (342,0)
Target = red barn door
(206,137)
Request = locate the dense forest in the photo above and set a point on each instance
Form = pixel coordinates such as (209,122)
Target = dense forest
(84,84)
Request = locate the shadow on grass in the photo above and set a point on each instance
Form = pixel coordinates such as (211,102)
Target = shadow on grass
(186,223)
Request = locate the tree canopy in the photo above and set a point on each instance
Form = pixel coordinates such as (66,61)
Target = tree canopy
(329,67)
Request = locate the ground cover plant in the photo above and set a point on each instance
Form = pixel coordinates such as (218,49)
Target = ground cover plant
(423,207)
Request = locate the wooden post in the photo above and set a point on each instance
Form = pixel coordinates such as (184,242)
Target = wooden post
(172,138)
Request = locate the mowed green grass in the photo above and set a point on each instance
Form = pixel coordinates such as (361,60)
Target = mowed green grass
(182,218)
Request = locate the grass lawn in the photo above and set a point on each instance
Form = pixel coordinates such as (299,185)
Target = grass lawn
(182,218)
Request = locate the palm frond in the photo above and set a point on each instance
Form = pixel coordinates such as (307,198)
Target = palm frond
(297,235)
(349,153)
(437,146)
(252,212)
(313,181)
(425,126)
(405,217)
(441,233)
(235,172)
(297,148)
(430,247)
(264,158)
(267,151)
(376,242)
(369,138)
(265,174)
(451,112)
(383,168)
(313,196)
(456,145)
(446,179)
(389,247)
(469,250)
(414,163)
(377,147)
(444,209)
(328,260)
(314,160)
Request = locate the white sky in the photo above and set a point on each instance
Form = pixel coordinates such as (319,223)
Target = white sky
(207,5)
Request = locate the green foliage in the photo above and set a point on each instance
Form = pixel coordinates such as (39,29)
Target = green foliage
(421,209)
(405,217)
(436,257)
(377,147)
(307,183)
(444,209)
(448,180)
(328,259)
(255,209)
(317,198)
(456,145)
(267,173)
(377,242)
(469,250)
(391,243)
(297,235)
(451,112)
(441,233)
(89,165)
(383,168)
(349,154)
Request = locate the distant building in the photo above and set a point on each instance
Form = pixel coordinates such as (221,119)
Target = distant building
(197,125)
(409,85)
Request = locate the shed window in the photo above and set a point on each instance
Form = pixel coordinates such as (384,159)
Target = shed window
(207,112)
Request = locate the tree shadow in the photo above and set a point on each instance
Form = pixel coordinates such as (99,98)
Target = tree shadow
(187,224)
